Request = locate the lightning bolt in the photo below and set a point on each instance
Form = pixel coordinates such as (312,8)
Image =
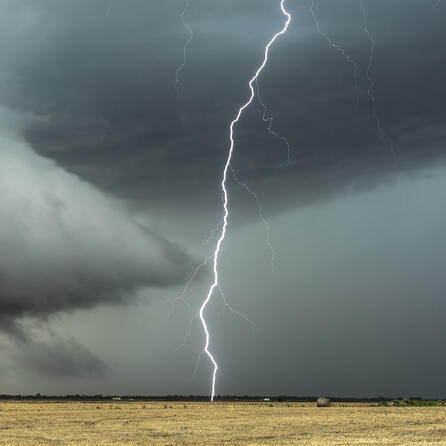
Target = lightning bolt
(262,218)
(216,255)
(227,306)
(339,49)
(211,235)
(177,82)
(371,81)
(186,287)
(372,85)
(269,121)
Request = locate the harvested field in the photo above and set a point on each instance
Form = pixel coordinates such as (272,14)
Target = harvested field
(137,423)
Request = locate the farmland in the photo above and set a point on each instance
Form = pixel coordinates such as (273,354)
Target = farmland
(192,423)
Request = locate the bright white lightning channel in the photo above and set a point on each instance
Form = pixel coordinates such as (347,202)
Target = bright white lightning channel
(215,285)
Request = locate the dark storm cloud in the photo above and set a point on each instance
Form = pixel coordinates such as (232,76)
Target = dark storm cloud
(102,81)
(59,358)
(66,245)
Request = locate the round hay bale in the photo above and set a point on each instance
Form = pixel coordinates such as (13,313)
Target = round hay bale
(323,402)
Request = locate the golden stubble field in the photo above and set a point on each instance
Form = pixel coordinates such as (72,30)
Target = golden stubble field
(136,423)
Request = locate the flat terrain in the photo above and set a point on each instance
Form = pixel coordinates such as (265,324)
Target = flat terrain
(136,423)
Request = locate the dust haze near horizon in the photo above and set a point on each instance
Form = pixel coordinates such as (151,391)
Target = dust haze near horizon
(110,184)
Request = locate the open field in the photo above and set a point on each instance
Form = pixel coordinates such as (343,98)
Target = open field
(137,423)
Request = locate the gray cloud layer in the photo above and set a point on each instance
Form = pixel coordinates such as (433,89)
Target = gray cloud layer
(110,114)
(66,245)
(59,358)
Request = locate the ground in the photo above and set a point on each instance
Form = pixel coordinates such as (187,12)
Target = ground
(266,423)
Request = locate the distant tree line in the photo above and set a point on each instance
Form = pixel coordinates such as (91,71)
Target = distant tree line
(412,401)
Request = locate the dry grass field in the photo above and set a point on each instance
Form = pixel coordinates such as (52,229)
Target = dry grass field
(136,423)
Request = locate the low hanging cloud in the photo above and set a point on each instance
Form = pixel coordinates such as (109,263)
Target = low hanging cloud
(60,358)
(66,245)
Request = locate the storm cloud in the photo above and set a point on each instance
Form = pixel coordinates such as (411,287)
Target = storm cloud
(67,245)
(98,77)
(59,358)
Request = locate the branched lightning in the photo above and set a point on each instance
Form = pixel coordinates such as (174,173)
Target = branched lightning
(262,218)
(189,331)
(371,81)
(338,48)
(215,284)
(237,313)
(372,85)
(186,46)
(197,365)
(227,306)
(188,284)
(211,235)
(269,121)
(184,291)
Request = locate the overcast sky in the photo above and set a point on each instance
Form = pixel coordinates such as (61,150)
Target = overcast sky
(110,190)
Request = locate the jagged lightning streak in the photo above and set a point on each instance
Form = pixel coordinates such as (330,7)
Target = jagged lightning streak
(186,287)
(211,235)
(339,49)
(228,307)
(372,85)
(216,254)
(262,218)
(186,46)
(269,121)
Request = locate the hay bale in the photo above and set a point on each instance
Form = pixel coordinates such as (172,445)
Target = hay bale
(323,402)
